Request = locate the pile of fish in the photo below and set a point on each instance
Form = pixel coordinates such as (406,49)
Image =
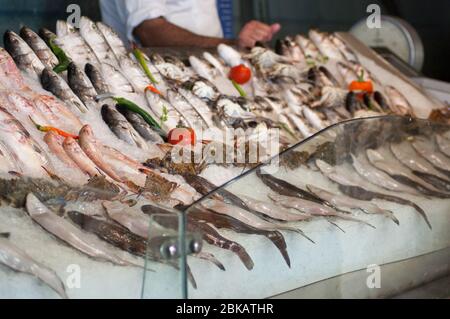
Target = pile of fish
(68,141)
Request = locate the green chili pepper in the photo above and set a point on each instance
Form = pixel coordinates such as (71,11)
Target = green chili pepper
(63,59)
(239,89)
(136,109)
(165,116)
(140,57)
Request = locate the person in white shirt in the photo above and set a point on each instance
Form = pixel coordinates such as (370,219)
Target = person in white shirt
(177,23)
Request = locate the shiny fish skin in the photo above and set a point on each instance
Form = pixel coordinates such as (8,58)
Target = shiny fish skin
(22,54)
(55,144)
(141,126)
(96,78)
(121,127)
(67,232)
(39,47)
(429,152)
(81,85)
(53,83)
(18,260)
(76,154)
(443,144)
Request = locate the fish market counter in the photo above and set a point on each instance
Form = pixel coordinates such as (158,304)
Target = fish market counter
(340,246)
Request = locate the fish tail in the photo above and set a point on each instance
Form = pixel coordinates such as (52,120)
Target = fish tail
(407,203)
(211,258)
(334,224)
(242,254)
(278,240)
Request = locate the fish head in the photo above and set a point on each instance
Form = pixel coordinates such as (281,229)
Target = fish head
(12,41)
(229,55)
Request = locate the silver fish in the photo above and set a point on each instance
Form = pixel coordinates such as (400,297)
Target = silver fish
(22,54)
(399,104)
(443,144)
(379,177)
(72,235)
(141,126)
(184,108)
(39,47)
(428,150)
(247,217)
(325,45)
(344,49)
(52,82)
(343,201)
(121,127)
(18,260)
(81,85)
(96,78)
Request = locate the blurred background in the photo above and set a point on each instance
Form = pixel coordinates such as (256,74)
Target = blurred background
(429,18)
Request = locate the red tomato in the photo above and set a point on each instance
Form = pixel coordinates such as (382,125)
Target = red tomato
(182,136)
(240,74)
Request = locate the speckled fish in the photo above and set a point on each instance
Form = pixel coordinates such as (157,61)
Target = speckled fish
(53,83)
(309,48)
(81,85)
(113,40)
(184,108)
(141,126)
(18,260)
(67,232)
(399,104)
(39,47)
(121,127)
(96,78)
(163,109)
(10,74)
(22,54)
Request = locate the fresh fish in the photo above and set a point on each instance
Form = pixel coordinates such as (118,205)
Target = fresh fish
(55,144)
(39,47)
(384,160)
(90,147)
(53,83)
(184,108)
(162,108)
(46,35)
(443,144)
(264,59)
(96,41)
(202,68)
(406,154)
(116,81)
(340,200)
(247,217)
(74,151)
(18,260)
(309,48)
(141,126)
(96,79)
(199,105)
(214,61)
(224,221)
(29,153)
(10,74)
(303,128)
(274,211)
(325,45)
(210,234)
(427,149)
(311,208)
(229,55)
(22,54)
(378,177)
(73,44)
(169,70)
(352,185)
(347,73)
(67,232)
(20,105)
(113,40)
(9,161)
(121,127)
(344,49)
(313,118)
(399,104)
(81,85)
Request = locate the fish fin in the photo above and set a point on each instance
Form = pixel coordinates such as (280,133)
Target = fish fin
(15,174)
(336,225)
(52,175)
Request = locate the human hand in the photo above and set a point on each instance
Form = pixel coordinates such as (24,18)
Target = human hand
(255,31)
